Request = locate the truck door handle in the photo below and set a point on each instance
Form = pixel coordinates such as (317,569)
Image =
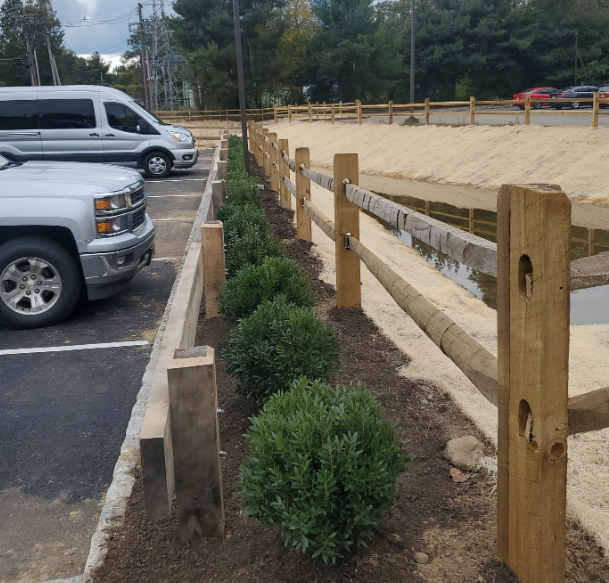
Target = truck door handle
(109,135)
(94,135)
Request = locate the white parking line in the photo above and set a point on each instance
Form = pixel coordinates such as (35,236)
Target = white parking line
(164,258)
(73,347)
(177,180)
(177,220)
(172,195)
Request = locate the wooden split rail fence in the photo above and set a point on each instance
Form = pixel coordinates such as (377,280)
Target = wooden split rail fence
(528,381)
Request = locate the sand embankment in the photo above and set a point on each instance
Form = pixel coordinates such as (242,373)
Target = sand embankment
(588,490)
(482,156)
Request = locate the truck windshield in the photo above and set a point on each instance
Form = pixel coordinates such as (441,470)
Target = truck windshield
(146,114)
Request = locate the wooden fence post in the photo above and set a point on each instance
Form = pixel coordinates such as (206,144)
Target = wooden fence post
(195,436)
(390,121)
(289,113)
(346,221)
(189,117)
(266,157)
(223,154)
(595,107)
(275,114)
(303,191)
(427,111)
(284,170)
(214,275)
(333,113)
(218,194)
(258,152)
(472,110)
(274,162)
(527,109)
(358,105)
(262,114)
(533,281)
(310,112)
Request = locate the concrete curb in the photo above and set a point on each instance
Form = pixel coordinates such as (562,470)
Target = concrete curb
(119,492)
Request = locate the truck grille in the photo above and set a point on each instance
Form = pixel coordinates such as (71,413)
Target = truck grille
(138,218)
(137,196)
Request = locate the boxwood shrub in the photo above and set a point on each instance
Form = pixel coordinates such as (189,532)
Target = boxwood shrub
(237,219)
(254,285)
(276,344)
(251,248)
(322,467)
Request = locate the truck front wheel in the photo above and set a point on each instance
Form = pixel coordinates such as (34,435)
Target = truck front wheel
(40,282)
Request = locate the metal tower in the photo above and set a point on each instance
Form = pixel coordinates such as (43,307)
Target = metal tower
(163,62)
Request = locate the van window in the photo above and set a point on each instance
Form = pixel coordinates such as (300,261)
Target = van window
(122,118)
(66,114)
(18,115)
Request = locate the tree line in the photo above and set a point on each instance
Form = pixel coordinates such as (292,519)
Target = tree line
(332,50)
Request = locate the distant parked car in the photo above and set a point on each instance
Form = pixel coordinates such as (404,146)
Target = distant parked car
(579,91)
(603,93)
(540,97)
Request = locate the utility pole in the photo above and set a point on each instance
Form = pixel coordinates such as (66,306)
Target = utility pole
(412,45)
(237,20)
(54,71)
(143,60)
(35,78)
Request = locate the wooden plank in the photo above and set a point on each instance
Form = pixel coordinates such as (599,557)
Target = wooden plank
(472,111)
(218,194)
(322,180)
(358,105)
(303,191)
(195,435)
(589,412)
(222,169)
(527,109)
(155,436)
(346,218)
(284,194)
(274,162)
(320,219)
(390,113)
(290,186)
(214,275)
(538,383)
(427,111)
(595,109)
(477,363)
(590,271)
(503,370)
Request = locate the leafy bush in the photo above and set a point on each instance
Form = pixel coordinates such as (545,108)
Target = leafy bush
(276,344)
(242,192)
(323,465)
(251,248)
(238,219)
(254,285)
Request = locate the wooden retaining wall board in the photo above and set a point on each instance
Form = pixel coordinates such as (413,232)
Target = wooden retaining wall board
(155,436)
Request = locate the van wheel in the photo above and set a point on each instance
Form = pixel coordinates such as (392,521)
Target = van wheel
(40,282)
(157,165)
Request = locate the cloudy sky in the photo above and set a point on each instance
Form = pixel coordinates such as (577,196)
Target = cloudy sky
(84,35)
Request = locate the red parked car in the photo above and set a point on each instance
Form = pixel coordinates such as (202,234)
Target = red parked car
(540,97)
(603,93)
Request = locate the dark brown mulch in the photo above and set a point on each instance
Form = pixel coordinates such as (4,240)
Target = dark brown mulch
(454,523)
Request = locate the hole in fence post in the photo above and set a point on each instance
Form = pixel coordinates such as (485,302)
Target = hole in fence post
(525,424)
(525,276)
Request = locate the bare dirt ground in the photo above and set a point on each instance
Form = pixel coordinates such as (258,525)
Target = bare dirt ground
(454,523)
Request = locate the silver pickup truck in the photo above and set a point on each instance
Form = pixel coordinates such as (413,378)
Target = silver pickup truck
(67,229)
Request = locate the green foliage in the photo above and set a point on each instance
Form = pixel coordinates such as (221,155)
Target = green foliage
(322,467)
(254,285)
(251,248)
(238,219)
(276,344)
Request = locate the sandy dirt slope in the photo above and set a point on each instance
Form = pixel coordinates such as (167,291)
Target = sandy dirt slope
(481,156)
(589,356)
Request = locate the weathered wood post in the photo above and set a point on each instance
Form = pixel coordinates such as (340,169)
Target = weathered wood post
(333,113)
(195,436)
(218,194)
(266,159)
(214,274)
(223,154)
(427,111)
(262,114)
(595,108)
(250,138)
(275,114)
(258,152)
(310,112)
(472,110)
(303,191)
(390,112)
(289,113)
(346,219)
(358,105)
(533,280)
(527,109)
(284,170)
(274,162)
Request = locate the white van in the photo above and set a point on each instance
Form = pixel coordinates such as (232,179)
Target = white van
(85,123)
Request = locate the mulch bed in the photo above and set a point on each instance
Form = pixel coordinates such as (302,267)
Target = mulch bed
(454,523)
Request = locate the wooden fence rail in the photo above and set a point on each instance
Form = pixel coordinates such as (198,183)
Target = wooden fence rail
(529,378)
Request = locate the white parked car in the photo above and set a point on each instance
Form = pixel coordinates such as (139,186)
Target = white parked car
(66,229)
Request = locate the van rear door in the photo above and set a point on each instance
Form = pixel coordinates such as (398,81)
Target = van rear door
(19,131)
(70,126)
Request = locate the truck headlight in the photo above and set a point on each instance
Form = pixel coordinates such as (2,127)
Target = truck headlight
(178,137)
(112,226)
(106,205)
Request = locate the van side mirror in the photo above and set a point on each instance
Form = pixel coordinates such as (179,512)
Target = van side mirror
(142,127)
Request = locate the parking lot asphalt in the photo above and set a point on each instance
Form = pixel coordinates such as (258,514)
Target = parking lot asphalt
(64,413)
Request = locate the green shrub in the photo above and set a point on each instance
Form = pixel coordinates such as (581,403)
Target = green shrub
(254,285)
(252,248)
(243,191)
(276,344)
(238,219)
(322,467)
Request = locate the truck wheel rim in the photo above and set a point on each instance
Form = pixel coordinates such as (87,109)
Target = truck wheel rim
(30,286)
(157,165)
